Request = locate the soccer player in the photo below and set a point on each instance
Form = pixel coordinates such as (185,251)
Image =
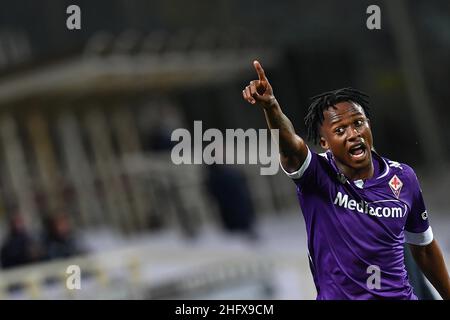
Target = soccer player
(359,208)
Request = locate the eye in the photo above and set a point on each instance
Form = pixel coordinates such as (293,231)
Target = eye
(359,122)
(339,130)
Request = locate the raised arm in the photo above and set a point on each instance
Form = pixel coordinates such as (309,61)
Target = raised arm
(431,261)
(293,149)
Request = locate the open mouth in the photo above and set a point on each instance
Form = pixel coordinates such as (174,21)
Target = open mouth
(358,151)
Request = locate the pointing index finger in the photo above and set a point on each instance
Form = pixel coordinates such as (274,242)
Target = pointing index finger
(259,70)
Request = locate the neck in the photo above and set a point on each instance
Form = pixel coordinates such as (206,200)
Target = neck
(356,174)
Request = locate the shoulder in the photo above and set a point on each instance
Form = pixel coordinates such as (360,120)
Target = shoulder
(323,161)
(313,168)
(402,170)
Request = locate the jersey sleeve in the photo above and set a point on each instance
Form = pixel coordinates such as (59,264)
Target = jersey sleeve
(417,229)
(310,174)
(295,175)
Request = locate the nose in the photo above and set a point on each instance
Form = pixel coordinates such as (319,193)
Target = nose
(353,133)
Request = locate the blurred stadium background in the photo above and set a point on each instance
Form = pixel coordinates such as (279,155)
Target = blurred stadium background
(86,117)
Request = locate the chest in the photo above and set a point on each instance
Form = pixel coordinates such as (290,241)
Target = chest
(374,208)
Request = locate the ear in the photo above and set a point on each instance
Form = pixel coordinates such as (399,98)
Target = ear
(324,143)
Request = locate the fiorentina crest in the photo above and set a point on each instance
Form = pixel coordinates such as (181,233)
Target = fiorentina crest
(396,185)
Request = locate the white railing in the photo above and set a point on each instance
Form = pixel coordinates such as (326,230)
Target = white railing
(149,271)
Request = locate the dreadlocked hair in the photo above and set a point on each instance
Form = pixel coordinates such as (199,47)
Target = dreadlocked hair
(319,103)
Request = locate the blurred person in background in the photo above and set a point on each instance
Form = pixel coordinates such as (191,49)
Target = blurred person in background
(59,239)
(351,198)
(19,247)
(228,187)
(157,120)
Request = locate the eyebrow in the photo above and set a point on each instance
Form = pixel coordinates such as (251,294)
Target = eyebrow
(337,118)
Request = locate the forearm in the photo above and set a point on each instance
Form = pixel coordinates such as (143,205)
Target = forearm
(431,261)
(293,150)
(290,144)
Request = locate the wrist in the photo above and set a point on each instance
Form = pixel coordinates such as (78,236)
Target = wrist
(272,103)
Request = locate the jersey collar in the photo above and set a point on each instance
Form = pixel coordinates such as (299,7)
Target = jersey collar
(381,170)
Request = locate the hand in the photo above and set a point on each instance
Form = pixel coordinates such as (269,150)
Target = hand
(259,91)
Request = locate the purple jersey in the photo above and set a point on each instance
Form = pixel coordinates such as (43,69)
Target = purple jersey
(356,227)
